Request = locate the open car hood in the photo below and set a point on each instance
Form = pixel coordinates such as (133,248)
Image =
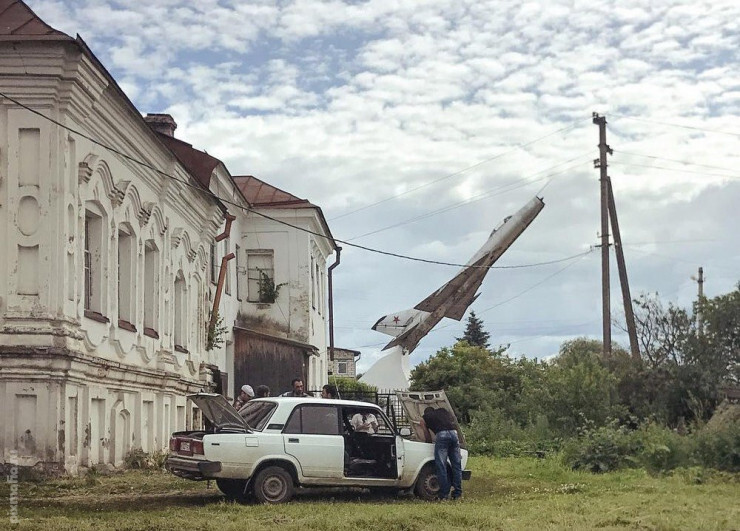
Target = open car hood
(218,410)
(415,402)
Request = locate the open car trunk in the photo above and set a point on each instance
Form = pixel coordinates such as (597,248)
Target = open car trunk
(219,412)
(415,402)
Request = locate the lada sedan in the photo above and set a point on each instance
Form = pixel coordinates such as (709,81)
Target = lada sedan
(278,444)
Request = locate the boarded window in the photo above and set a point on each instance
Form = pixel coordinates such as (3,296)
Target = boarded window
(151,286)
(126,275)
(180,312)
(93,262)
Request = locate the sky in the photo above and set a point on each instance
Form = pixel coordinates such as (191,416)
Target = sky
(418,126)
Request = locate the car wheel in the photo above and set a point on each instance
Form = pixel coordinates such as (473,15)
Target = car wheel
(273,485)
(427,484)
(232,488)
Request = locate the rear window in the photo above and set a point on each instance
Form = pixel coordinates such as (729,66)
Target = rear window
(257,413)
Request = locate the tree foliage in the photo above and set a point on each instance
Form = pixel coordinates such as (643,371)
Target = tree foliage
(474,333)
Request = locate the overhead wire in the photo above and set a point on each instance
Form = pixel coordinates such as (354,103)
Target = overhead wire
(208,193)
(572,125)
(680,126)
(628,164)
(503,189)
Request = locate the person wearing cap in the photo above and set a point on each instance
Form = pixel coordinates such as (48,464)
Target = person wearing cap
(245,395)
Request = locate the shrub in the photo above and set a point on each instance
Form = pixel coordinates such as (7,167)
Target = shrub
(138,459)
(600,449)
(719,447)
(659,449)
(490,433)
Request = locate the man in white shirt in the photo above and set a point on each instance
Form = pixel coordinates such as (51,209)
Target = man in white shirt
(364,423)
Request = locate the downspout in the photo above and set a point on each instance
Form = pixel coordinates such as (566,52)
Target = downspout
(331,305)
(222,272)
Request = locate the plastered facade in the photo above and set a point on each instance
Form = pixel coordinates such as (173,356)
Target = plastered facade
(79,389)
(106,282)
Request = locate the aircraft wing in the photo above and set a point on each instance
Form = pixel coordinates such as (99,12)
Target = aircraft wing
(454,286)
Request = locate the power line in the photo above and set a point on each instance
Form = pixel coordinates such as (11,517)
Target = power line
(685,162)
(730,177)
(694,128)
(520,146)
(237,205)
(490,193)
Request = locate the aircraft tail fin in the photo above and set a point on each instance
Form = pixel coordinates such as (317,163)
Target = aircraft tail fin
(395,324)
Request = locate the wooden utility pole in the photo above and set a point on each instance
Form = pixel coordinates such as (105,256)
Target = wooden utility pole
(629,315)
(603,178)
(700,281)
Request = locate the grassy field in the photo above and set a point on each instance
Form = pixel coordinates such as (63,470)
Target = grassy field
(503,494)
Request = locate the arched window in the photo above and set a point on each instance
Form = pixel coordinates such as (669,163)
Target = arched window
(151,289)
(126,278)
(94,262)
(180,336)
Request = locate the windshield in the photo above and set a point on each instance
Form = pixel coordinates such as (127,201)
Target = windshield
(257,413)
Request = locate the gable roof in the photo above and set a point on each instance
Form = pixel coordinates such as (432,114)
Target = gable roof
(263,195)
(18,21)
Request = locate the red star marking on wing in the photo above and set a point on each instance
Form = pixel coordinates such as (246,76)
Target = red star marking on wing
(396,319)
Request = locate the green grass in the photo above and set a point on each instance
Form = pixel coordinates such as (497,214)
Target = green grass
(503,494)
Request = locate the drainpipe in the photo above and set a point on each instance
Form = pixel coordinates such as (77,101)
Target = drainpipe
(331,306)
(222,272)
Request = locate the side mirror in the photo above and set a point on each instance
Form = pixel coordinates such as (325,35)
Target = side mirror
(405,432)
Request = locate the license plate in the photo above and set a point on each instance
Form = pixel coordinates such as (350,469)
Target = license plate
(185,446)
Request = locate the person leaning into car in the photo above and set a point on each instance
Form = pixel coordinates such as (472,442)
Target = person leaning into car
(447,444)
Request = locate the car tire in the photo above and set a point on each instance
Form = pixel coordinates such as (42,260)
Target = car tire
(232,488)
(427,484)
(273,484)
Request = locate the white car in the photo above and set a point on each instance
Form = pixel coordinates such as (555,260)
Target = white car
(278,444)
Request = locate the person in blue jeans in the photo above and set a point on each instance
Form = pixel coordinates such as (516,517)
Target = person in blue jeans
(446,446)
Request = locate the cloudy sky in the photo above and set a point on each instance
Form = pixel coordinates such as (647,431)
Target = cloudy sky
(418,125)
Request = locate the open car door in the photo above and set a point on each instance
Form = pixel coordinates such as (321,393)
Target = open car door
(415,402)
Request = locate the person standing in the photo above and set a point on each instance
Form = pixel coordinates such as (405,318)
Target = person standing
(246,393)
(329,391)
(446,445)
(262,391)
(298,390)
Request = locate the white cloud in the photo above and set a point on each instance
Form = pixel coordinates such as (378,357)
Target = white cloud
(347,103)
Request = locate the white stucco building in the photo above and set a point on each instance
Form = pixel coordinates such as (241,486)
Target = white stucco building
(110,257)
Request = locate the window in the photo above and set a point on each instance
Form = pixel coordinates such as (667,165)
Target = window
(126,276)
(313,286)
(151,289)
(180,313)
(258,413)
(261,276)
(214,265)
(318,289)
(384,427)
(342,367)
(227,276)
(93,263)
(239,273)
(314,420)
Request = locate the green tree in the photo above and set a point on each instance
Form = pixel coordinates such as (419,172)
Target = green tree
(580,386)
(473,378)
(687,363)
(474,333)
